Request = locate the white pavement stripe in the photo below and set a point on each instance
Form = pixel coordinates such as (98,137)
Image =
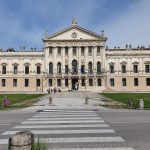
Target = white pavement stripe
(66,111)
(60,116)
(75,140)
(105,148)
(73,121)
(50,132)
(69,113)
(61,126)
(82,139)
(52,119)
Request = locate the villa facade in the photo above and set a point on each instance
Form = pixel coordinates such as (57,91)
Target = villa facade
(75,56)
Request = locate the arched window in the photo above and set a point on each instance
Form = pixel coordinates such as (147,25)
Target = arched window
(58,67)
(98,67)
(50,68)
(90,67)
(74,66)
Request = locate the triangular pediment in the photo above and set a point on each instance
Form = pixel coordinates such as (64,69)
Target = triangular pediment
(75,33)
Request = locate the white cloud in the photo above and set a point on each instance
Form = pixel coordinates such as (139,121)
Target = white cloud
(131,27)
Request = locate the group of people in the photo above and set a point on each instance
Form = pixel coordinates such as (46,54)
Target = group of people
(53,90)
(76,86)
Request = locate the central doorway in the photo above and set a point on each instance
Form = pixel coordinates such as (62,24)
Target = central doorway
(75,84)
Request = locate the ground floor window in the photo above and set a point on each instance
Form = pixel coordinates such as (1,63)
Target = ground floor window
(3,82)
(26,84)
(136,82)
(38,82)
(83,82)
(14,82)
(99,82)
(66,82)
(90,82)
(124,82)
(148,81)
(58,82)
(112,82)
(50,82)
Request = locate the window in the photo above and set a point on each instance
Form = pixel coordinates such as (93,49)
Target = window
(124,82)
(50,68)
(111,69)
(3,69)
(82,69)
(136,82)
(26,82)
(90,82)
(135,68)
(59,50)
(82,51)
(3,82)
(50,50)
(26,69)
(98,50)
(50,82)
(14,82)
(15,69)
(99,82)
(83,82)
(74,51)
(123,68)
(90,67)
(66,82)
(38,69)
(58,67)
(98,67)
(74,67)
(148,81)
(66,69)
(38,82)
(90,51)
(147,68)
(66,51)
(58,82)
(112,82)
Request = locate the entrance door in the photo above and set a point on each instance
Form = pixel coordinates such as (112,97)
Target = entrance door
(75,84)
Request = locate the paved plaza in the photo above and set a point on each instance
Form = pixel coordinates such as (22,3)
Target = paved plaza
(70,124)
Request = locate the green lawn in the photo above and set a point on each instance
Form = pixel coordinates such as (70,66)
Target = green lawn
(124,97)
(20,100)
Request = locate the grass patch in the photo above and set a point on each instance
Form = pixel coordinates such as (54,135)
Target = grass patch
(40,145)
(124,97)
(20,100)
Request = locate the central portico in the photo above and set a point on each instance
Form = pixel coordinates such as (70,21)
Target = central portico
(75,56)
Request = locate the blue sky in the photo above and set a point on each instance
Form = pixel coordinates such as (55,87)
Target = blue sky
(23,22)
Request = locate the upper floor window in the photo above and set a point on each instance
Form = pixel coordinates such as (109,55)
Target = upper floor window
(59,50)
(58,67)
(50,50)
(82,51)
(111,68)
(98,67)
(135,68)
(74,50)
(15,69)
(123,68)
(66,51)
(98,50)
(26,69)
(90,67)
(38,69)
(50,68)
(3,69)
(90,51)
(66,69)
(82,69)
(147,68)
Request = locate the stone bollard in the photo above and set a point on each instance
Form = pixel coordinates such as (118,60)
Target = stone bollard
(86,100)
(50,100)
(141,104)
(21,141)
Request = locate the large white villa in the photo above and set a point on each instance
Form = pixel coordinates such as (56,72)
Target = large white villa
(75,56)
